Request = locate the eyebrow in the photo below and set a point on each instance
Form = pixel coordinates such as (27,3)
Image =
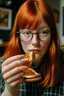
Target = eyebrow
(42,27)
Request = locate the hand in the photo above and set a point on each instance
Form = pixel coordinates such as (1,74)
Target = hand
(12,70)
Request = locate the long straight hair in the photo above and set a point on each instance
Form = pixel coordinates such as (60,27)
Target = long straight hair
(30,15)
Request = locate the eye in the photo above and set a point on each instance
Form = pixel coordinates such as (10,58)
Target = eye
(26,32)
(44,33)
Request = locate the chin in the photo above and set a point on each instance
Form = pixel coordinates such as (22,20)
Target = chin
(37,58)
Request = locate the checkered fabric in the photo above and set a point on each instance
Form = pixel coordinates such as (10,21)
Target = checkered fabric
(34,88)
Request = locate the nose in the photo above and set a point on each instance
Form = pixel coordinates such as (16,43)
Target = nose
(35,40)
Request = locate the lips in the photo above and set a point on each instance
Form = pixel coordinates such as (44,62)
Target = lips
(35,50)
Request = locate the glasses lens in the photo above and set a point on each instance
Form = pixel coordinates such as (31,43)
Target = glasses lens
(44,34)
(25,35)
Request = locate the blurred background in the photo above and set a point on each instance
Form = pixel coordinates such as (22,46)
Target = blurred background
(9,8)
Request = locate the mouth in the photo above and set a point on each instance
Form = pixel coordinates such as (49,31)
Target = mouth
(35,50)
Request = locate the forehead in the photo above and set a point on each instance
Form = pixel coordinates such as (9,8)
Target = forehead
(43,25)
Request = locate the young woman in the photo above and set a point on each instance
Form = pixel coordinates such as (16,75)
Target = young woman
(34,30)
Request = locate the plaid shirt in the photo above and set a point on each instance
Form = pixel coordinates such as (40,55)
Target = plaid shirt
(34,88)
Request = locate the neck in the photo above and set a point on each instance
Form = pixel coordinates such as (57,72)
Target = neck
(36,63)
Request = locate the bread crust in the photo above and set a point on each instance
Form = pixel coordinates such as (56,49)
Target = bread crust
(30,75)
(32,79)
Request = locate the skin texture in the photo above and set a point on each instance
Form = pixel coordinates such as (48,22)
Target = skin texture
(40,47)
(13,74)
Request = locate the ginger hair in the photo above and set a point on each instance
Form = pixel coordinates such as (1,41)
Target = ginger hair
(29,16)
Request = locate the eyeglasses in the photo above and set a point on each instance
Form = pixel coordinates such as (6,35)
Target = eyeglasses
(26,35)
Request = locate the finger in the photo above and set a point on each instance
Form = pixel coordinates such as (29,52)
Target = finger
(15,77)
(14,72)
(16,82)
(11,59)
(13,65)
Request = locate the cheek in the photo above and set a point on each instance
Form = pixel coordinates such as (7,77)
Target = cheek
(45,46)
(24,46)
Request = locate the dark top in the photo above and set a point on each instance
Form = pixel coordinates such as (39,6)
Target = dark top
(34,88)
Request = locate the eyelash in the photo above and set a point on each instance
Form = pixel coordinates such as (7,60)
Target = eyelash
(45,31)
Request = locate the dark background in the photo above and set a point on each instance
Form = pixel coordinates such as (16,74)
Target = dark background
(14,6)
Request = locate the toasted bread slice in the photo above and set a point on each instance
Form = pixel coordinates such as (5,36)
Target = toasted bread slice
(31,75)
(29,55)
(29,72)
